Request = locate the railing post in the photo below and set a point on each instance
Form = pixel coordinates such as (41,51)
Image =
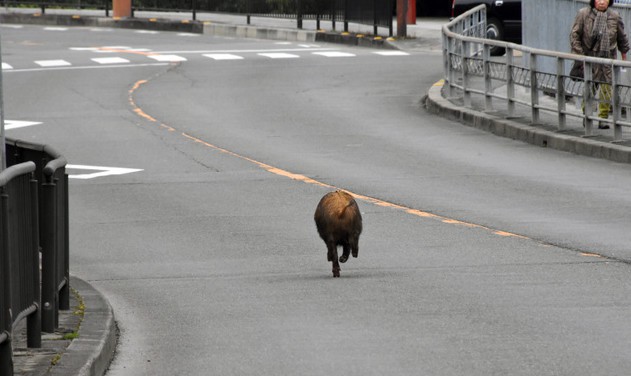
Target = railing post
(510,83)
(50,302)
(34,320)
(615,103)
(64,293)
(588,98)
(194,6)
(534,90)
(6,351)
(466,95)
(562,118)
(299,13)
(488,84)
(346,16)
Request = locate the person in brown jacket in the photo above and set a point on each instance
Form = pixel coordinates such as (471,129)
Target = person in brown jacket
(599,31)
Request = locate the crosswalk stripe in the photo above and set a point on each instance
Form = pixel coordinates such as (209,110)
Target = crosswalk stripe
(110,60)
(391,53)
(167,58)
(334,54)
(223,56)
(279,55)
(52,63)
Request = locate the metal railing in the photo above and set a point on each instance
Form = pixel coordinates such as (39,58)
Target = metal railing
(470,71)
(19,259)
(376,13)
(33,220)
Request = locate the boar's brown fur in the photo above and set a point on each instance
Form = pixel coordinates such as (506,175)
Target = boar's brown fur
(339,223)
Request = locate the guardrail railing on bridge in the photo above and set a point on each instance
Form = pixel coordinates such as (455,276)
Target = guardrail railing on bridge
(470,71)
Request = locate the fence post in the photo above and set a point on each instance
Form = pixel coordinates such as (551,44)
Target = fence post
(561,93)
(346,16)
(34,320)
(488,84)
(534,90)
(6,352)
(194,6)
(64,293)
(588,97)
(299,13)
(615,103)
(50,302)
(510,83)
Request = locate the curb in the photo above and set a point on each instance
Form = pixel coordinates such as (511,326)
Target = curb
(91,353)
(436,104)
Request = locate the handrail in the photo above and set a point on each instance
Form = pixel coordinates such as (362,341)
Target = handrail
(12,172)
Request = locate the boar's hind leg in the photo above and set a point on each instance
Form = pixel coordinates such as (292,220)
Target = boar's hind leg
(347,252)
(332,247)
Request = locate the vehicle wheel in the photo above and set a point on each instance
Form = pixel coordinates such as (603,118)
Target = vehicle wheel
(495,30)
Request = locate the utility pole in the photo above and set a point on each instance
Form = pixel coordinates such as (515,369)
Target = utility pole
(402,11)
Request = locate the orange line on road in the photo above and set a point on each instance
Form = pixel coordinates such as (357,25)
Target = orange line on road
(308,180)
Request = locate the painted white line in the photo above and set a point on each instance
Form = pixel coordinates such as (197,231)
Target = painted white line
(167,58)
(392,53)
(335,54)
(283,43)
(269,50)
(86,67)
(6,66)
(279,55)
(84,48)
(147,32)
(188,35)
(52,63)
(12,26)
(56,28)
(14,124)
(223,56)
(110,60)
(101,171)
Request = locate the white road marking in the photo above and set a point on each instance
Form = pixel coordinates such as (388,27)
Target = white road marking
(279,55)
(6,66)
(101,171)
(188,34)
(392,53)
(167,58)
(14,124)
(223,56)
(147,32)
(334,54)
(12,26)
(84,48)
(56,28)
(110,60)
(85,67)
(52,63)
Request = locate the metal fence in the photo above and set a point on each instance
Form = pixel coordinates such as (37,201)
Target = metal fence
(33,220)
(471,72)
(377,13)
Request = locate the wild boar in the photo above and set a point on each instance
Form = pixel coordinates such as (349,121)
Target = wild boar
(339,223)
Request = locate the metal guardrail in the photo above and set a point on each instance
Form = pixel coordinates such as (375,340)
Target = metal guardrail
(377,13)
(19,259)
(33,219)
(470,70)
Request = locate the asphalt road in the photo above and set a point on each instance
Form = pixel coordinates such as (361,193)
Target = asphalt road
(479,256)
